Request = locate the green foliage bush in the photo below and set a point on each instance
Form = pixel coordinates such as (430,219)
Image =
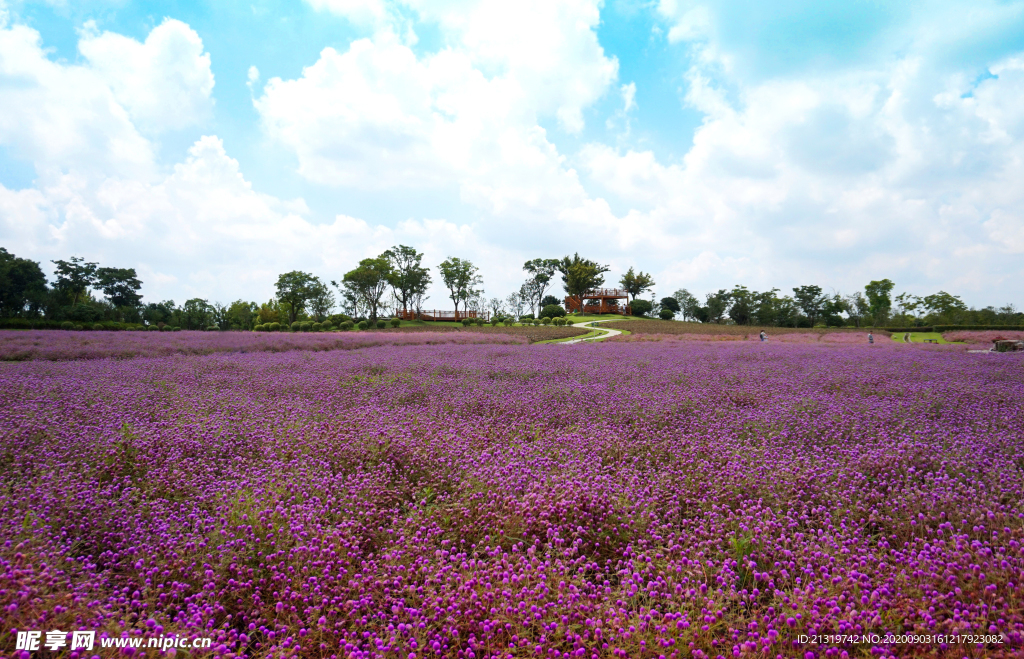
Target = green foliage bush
(552,311)
(346,325)
(666,314)
(153,328)
(363,324)
(381,324)
(326,326)
(508,322)
(479,322)
(296,326)
(307,326)
(175,329)
(466,322)
(395,322)
(524,317)
(212,328)
(535,321)
(641,307)
(79,328)
(546,320)
(166,328)
(495,321)
(67,325)
(570,322)
(97,326)
(317,327)
(338,318)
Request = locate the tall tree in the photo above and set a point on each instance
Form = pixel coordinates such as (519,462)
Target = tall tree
(810,300)
(635,283)
(74,277)
(946,306)
(196,313)
(294,289)
(742,308)
(321,300)
(408,276)
(241,315)
(120,286)
(22,285)
(368,282)
(516,303)
(688,304)
(856,307)
(461,278)
(879,302)
(580,275)
(541,272)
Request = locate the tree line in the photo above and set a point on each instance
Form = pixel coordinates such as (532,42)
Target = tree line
(86,294)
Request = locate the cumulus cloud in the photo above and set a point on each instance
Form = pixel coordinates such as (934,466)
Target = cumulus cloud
(164,83)
(58,116)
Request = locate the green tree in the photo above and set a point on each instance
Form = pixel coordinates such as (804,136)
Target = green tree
(857,307)
(714,308)
(368,282)
(541,272)
(810,300)
(294,289)
(461,278)
(580,275)
(196,314)
(879,300)
(947,307)
(22,286)
(832,309)
(742,308)
(408,276)
(671,304)
(241,315)
(636,283)
(321,300)
(120,286)
(74,277)
(688,304)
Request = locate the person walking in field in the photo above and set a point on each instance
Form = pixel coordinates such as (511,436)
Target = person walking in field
(871,339)
(764,337)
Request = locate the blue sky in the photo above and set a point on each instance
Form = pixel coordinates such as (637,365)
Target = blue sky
(214,145)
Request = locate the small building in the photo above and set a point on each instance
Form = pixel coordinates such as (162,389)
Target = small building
(600,301)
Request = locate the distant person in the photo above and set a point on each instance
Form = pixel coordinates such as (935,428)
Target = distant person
(764,337)
(871,338)
(906,337)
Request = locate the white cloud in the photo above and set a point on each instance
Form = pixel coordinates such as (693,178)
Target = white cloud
(165,83)
(59,116)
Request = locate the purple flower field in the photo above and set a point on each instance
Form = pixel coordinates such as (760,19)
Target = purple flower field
(648,499)
(61,346)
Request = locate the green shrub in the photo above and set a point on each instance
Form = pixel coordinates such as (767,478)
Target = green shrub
(337,319)
(153,328)
(97,326)
(212,328)
(535,321)
(570,322)
(307,326)
(666,314)
(495,321)
(326,326)
(67,325)
(479,322)
(363,324)
(395,322)
(545,320)
(346,325)
(317,327)
(381,323)
(175,329)
(552,311)
(296,326)
(466,322)
(508,322)
(528,316)
(641,307)
(79,327)
(166,328)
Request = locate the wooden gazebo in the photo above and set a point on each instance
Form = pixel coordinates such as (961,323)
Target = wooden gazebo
(600,301)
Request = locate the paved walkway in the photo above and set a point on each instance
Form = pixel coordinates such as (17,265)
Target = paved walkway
(592,325)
